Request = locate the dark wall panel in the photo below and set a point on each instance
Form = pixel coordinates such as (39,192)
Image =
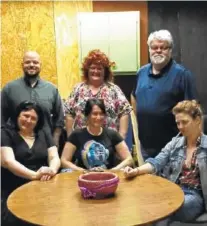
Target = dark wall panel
(163,15)
(193,34)
(126,83)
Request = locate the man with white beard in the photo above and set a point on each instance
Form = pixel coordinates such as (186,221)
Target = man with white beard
(160,85)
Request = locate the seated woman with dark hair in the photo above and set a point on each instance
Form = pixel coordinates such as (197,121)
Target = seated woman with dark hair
(185,157)
(95,146)
(27,152)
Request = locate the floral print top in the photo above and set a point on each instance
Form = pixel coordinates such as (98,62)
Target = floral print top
(190,175)
(115,102)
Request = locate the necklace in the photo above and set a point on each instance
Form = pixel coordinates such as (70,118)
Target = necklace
(32,137)
(94,134)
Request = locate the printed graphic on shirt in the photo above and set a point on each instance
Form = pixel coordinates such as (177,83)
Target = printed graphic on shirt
(94,154)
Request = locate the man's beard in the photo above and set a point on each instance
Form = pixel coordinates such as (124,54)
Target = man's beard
(159,59)
(31,78)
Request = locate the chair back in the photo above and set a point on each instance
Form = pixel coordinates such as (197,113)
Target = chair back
(136,150)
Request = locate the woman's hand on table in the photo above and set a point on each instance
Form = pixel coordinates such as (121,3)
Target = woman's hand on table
(130,172)
(45,173)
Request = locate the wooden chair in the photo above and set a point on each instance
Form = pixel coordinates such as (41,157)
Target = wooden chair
(136,149)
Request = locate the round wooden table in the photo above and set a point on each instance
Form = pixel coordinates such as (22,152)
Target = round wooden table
(137,201)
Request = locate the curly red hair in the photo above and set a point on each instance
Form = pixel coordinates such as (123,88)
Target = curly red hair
(97,57)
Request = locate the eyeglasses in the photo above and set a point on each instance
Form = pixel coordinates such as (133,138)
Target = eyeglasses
(162,48)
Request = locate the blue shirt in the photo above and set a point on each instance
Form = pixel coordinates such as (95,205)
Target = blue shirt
(156,95)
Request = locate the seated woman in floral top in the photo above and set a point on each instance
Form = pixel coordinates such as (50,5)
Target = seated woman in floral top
(185,157)
(98,76)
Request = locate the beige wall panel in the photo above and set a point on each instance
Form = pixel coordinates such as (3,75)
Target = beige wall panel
(13,42)
(27,25)
(65,16)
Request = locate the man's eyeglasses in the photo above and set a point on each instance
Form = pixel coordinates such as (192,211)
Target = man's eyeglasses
(162,48)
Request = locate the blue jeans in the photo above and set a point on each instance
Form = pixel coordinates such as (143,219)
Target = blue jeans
(192,207)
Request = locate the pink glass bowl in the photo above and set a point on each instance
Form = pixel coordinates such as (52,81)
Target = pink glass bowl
(98,185)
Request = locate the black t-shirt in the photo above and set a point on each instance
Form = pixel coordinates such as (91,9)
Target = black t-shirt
(33,158)
(92,151)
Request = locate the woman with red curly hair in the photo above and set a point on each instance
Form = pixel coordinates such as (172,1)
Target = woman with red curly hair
(98,84)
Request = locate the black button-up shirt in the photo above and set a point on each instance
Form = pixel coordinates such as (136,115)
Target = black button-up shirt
(43,93)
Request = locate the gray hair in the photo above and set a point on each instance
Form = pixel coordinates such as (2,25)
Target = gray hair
(161,35)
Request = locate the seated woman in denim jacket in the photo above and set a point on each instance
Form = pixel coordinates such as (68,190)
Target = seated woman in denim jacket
(94,146)
(186,156)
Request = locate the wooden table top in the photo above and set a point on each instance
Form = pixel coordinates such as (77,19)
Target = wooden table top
(138,201)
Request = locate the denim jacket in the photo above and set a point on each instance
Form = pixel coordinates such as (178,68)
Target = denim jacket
(173,156)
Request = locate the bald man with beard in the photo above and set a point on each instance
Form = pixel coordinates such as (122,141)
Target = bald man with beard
(32,88)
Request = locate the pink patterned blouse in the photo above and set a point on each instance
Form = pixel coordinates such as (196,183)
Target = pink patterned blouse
(115,102)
